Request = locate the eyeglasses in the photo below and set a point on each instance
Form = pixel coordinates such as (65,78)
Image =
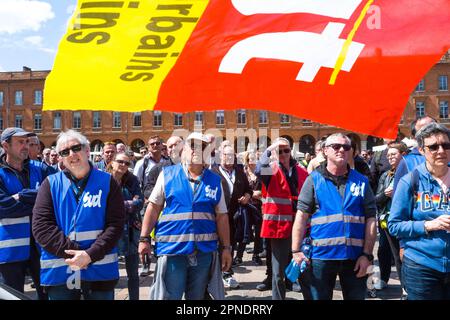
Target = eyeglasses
(127,163)
(76,148)
(338,146)
(194,145)
(435,147)
(281,151)
(157,143)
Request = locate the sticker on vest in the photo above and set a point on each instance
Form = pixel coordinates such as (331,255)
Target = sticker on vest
(211,193)
(92,200)
(357,190)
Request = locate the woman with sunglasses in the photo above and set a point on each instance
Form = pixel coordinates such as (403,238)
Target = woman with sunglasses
(420,218)
(133,202)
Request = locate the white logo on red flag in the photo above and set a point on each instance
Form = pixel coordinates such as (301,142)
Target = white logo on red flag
(314,50)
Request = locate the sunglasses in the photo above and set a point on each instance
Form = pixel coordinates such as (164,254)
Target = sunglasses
(76,148)
(127,163)
(281,151)
(435,147)
(194,145)
(338,146)
(157,143)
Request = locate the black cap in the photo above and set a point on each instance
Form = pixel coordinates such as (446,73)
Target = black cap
(14,132)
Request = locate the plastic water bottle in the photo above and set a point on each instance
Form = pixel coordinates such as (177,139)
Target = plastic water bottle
(306,249)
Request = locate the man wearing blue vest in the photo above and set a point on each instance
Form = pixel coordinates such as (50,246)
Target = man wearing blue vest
(78,219)
(188,232)
(20,178)
(342,209)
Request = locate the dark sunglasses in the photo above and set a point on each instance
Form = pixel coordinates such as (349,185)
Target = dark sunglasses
(284,150)
(338,146)
(435,147)
(127,163)
(155,143)
(76,148)
(193,145)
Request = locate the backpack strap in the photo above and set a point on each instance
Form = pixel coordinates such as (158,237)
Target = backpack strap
(414,185)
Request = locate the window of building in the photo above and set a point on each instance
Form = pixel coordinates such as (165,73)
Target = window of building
(76,120)
(38,97)
(1,98)
(263,117)
(18,121)
(220,117)
(198,118)
(443,83)
(420,109)
(1,122)
(421,85)
(37,121)
(157,118)
(285,118)
(96,120)
(117,120)
(178,119)
(241,117)
(18,98)
(443,109)
(57,120)
(306,123)
(137,119)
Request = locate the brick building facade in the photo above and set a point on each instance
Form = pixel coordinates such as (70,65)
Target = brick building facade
(21,95)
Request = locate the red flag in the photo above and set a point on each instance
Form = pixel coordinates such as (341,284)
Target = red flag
(347,63)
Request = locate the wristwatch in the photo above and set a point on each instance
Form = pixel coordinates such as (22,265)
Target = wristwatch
(368,256)
(145,239)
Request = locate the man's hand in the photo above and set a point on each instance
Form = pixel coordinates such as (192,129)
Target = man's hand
(226,260)
(299,257)
(80,259)
(361,266)
(389,192)
(144,249)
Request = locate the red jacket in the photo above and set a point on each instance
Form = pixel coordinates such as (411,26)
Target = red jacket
(277,208)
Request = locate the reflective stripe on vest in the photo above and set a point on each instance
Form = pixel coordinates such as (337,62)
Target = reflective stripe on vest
(338,241)
(186,216)
(336,218)
(56,263)
(11,221)
(275,200)
(187,237)
(277,217)
(14,243)
(84,235)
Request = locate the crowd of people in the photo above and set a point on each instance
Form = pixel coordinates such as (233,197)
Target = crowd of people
(196,205)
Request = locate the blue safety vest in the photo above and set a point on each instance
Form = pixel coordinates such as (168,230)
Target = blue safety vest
(188,221)
(82,222)
(15,232)
(338,227)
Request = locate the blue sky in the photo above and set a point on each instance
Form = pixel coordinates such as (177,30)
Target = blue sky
(30,31)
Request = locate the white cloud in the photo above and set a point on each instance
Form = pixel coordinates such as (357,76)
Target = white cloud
(2,69)
(38,43)
(22,15)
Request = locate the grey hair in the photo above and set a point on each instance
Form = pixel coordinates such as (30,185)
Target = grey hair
(330,138)
(429,130)
(68,135)
(284,140)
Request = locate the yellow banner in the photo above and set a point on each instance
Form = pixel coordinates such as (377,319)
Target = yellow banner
(116,54)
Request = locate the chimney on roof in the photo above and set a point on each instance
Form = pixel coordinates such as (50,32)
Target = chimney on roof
(25,68)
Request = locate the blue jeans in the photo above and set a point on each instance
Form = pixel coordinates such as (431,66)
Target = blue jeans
(63,293)
(132,267)
(191,278)
(423,283)
(322,276)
